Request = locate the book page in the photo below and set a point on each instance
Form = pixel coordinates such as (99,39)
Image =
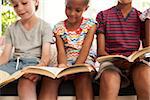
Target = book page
(3,75)
(47,71)
(9,78)
(139,53)
(17,74)
(111,58)
(79,68)
(89,67)
(54,70)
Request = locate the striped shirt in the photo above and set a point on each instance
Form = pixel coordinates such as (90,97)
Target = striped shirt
(122,35)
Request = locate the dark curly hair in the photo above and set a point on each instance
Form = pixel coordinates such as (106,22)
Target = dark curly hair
(85,1)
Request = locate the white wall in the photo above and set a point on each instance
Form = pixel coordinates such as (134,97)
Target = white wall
(53,11)
(0,24)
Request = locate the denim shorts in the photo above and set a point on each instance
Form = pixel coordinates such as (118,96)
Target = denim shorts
(10,67)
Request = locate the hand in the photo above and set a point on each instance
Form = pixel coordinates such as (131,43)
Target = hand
(62,66)
(32,77)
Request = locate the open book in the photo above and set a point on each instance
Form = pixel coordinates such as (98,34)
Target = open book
(134,56)
(52,72)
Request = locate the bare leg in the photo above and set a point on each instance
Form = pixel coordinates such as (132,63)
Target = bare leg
(83,86)
(27,89)
(141,81)
(109,85)
(49,89)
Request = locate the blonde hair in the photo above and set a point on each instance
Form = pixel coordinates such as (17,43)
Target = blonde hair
(36,6)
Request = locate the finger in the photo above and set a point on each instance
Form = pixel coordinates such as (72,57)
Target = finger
(35,79)
(61,66)
(26,75)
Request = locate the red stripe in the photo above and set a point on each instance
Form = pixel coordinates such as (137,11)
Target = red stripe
(121,41)
(124,29)
(122,35)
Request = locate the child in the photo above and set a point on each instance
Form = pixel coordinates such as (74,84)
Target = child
(30,36)
(74,37)
(120,32)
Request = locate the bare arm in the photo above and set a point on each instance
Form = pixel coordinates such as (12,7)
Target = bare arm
(45,58)
(4,58)
(101,45)
(61,57)
(147,32)
(86,46)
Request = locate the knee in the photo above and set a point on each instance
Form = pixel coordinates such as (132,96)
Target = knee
(140,76)
(24,83)
(108,78)
(83,80)
(85,77)
(109,75)
(46,81)
(141,71)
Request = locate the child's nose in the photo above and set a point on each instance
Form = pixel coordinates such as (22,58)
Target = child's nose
(20,7)
(72,13)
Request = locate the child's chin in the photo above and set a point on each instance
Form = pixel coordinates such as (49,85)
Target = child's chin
(71,21)
(125,2)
